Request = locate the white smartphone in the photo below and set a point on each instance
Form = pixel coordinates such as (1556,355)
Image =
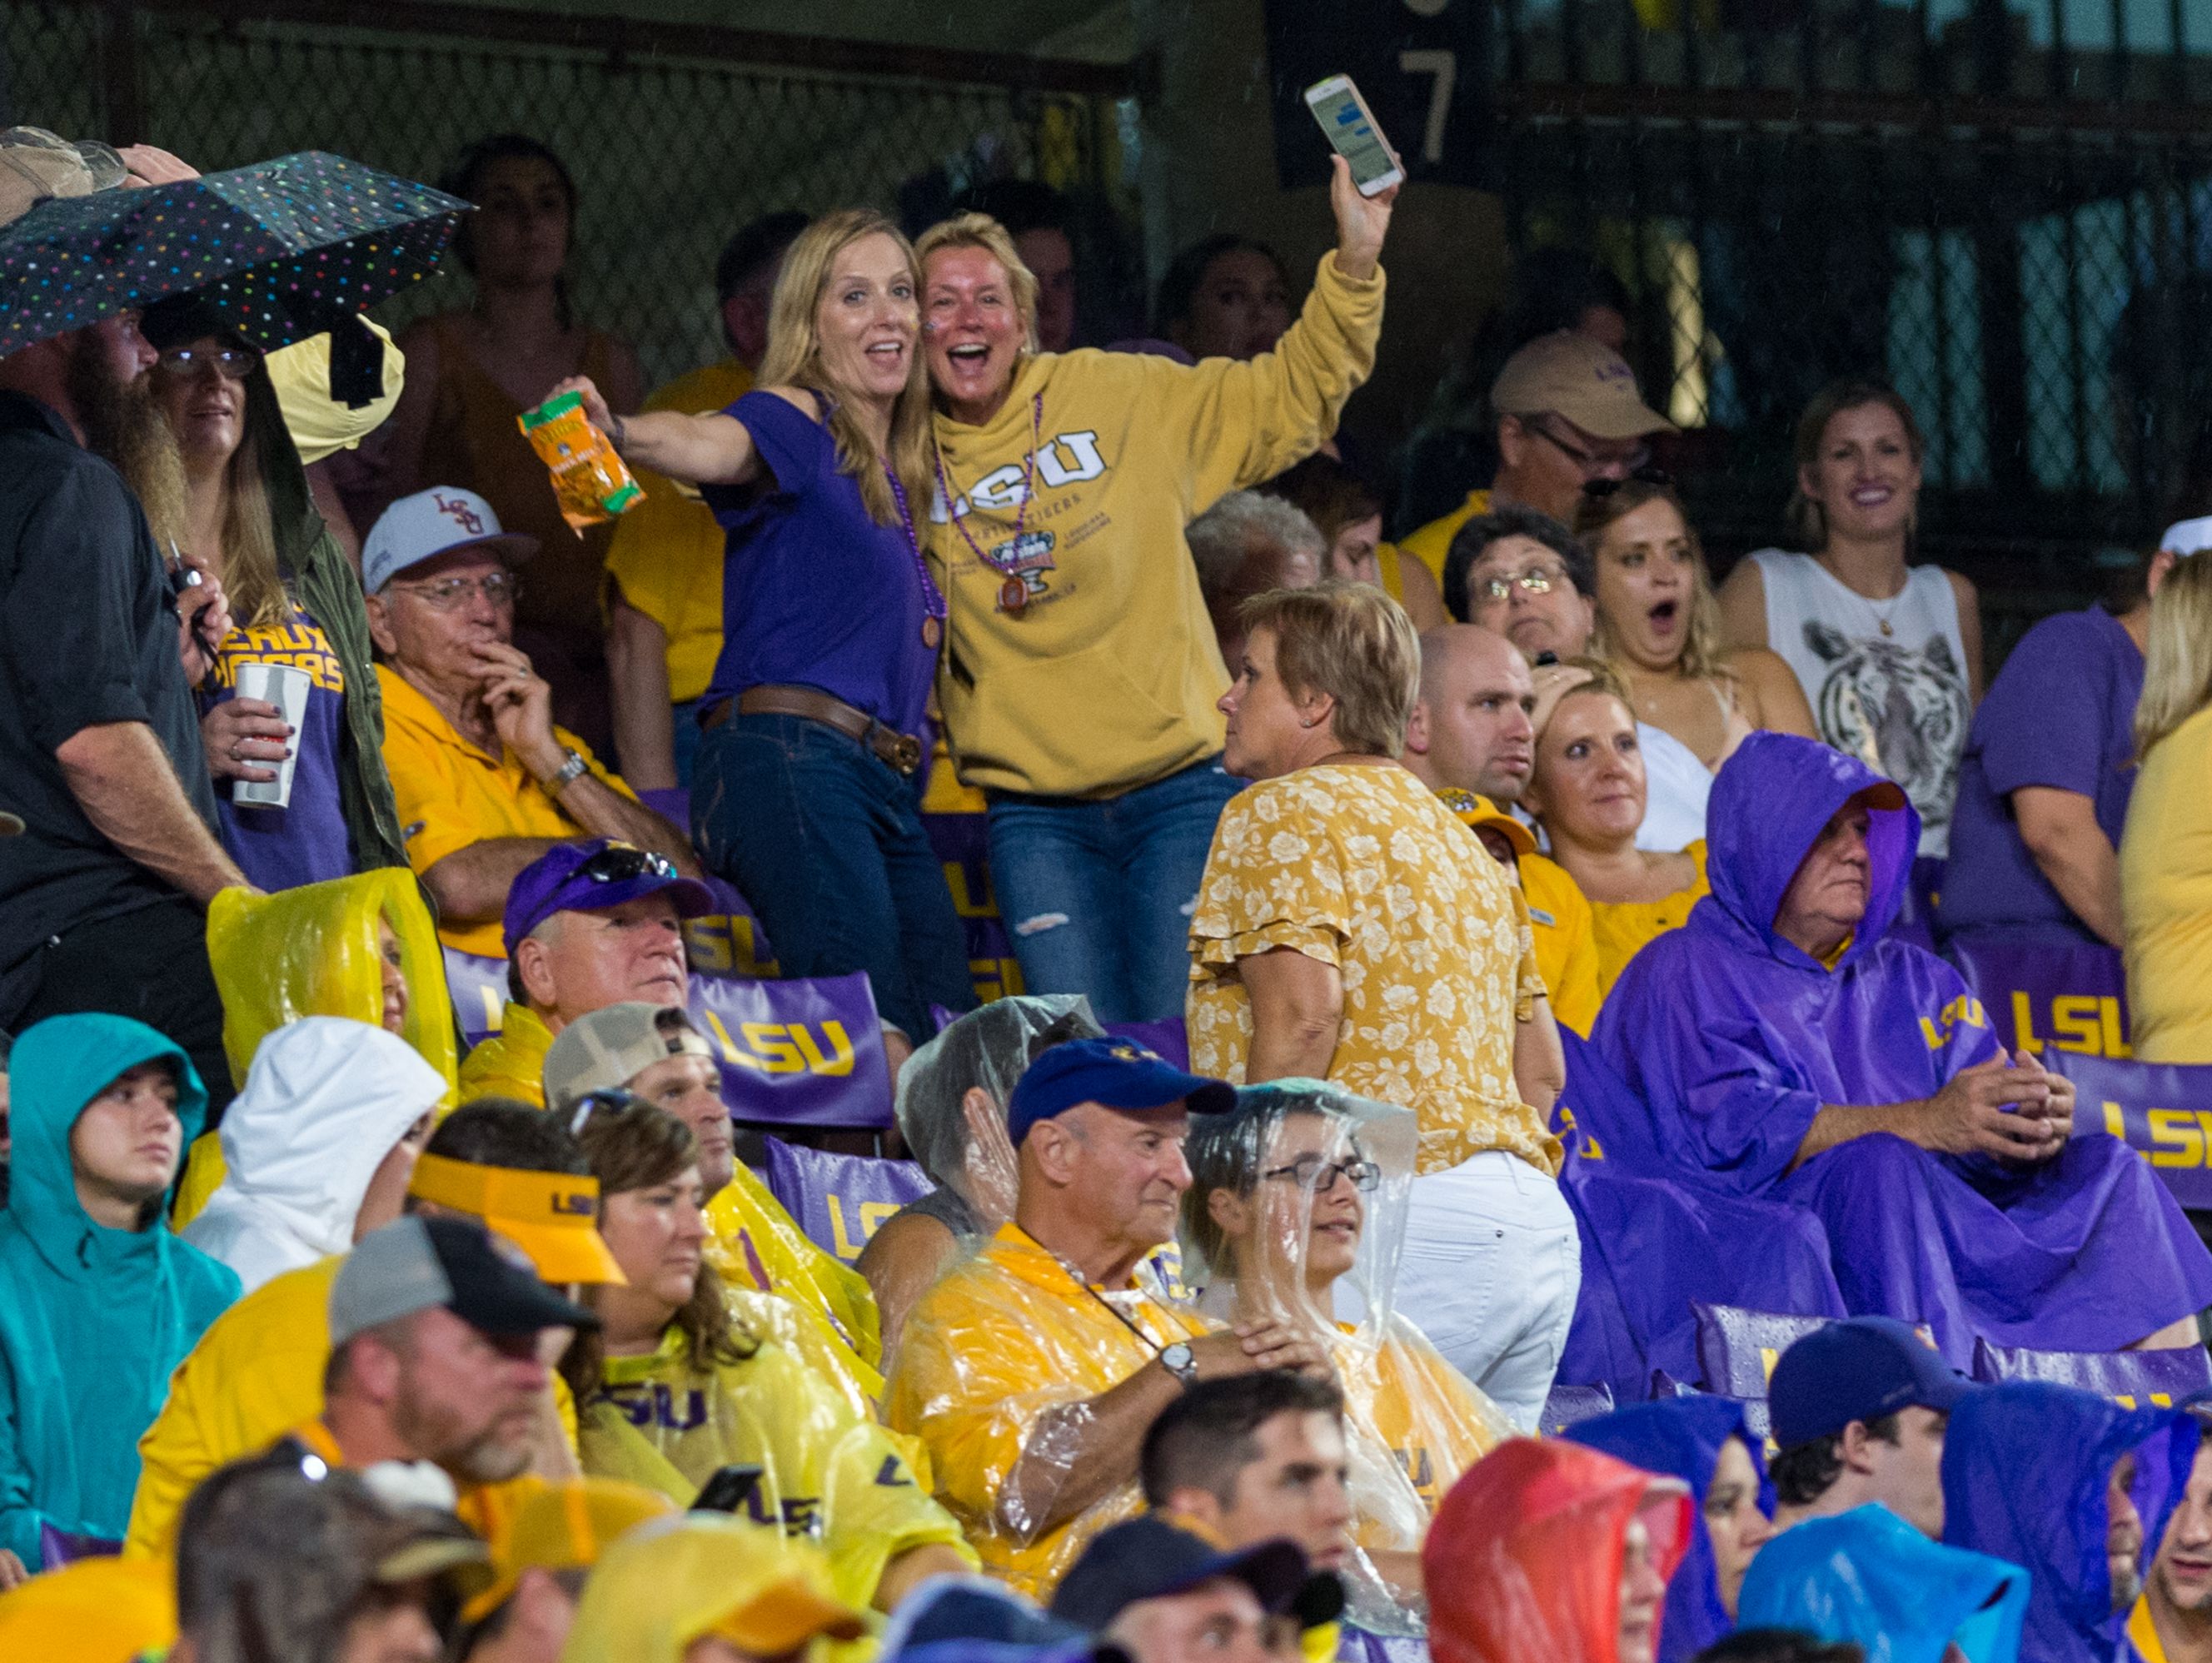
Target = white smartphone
(1350,126)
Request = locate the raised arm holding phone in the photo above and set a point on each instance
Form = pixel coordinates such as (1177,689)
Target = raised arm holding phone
(1082,668)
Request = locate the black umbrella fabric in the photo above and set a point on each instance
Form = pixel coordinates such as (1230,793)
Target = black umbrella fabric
(284,249)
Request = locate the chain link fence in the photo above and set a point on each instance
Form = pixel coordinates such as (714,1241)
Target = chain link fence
(2007,209)
(675,140)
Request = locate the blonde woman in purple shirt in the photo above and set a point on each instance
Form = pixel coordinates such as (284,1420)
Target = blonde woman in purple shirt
(805,794)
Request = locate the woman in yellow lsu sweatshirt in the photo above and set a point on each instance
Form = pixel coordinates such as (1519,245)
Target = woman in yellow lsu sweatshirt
(1080,672)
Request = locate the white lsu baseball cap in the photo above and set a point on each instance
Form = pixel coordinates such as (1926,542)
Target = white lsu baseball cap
(432,523)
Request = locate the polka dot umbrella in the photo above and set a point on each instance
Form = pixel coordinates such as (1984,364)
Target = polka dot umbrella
(283,248)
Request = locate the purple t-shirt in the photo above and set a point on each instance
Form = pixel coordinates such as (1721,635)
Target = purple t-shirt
(2060,714)
(304,842)
(814,591)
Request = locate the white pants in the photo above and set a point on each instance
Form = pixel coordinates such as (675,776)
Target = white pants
(1491,1269)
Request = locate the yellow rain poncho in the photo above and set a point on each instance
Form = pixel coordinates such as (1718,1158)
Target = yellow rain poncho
(829,1473)
(996,1368)
(1305,1172)
(758,1244)
(315,951)
(672,1581)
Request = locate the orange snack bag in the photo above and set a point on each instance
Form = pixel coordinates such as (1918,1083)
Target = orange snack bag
(589,480)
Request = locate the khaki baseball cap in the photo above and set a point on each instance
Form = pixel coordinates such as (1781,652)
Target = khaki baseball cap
(36,165)
(1586,381)
(606,1049)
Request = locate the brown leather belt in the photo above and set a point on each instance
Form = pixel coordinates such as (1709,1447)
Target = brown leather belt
(900,750)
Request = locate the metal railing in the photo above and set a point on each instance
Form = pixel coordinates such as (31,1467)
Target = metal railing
(677,133)
(2005,208)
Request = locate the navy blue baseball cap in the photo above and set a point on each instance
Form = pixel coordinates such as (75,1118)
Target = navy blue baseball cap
(1153,1557)
(1113,1073)
(592,877)
(1857,1370)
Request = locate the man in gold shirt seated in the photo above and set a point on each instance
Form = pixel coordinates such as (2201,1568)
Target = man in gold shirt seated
(257,1371)
(1032,1372)
(1472,734)
(484,782)
(1568,412)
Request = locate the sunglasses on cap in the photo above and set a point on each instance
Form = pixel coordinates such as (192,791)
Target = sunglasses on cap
(1650,475)
(620,864)
(613,1099)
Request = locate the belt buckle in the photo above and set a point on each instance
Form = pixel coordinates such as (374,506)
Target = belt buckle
(905,752)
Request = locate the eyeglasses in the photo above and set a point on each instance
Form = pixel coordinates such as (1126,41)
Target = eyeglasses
(1310,1172)
(621,863)
(1589,461)
(231,363)
(1602,489)
(1536,580)
(449,594)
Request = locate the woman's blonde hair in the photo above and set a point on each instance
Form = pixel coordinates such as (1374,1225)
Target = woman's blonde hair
(1353,643)
(2178,656)
(982,231)
(251,577)
(1701,642)
(794,359)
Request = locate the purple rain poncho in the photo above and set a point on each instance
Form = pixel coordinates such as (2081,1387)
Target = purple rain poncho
(1653,1246)
(1732,1041)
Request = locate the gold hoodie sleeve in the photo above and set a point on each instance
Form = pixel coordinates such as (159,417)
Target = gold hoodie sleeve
(1241,422)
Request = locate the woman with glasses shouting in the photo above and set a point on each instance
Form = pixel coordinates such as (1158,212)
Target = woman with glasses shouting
(1659,625)
(1296,1210)
(245,518)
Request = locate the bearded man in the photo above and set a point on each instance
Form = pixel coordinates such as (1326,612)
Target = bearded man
(104,891)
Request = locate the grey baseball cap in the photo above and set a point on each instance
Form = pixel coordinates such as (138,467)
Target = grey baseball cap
(611,1046)
(416,1263)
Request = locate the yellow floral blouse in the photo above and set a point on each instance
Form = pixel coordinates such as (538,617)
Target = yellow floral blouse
(1359,866)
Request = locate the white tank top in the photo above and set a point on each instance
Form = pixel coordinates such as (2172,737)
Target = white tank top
(1675,786)
(1886,679)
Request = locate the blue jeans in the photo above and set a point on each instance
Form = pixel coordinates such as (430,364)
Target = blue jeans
(686,716)
(825,840)
(1098,895)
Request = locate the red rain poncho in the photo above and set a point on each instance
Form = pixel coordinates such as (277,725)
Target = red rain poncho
(1523,1563)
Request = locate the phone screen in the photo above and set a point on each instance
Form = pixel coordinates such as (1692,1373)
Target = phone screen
(1352,134)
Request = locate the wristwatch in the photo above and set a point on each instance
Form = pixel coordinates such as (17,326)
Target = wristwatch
(1177,1361)
(567,773)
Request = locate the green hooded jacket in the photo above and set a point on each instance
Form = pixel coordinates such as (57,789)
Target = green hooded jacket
(92,1320)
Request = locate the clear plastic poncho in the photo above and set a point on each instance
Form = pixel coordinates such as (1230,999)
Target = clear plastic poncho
(1297,1215)
(963,1146)
(318,952)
